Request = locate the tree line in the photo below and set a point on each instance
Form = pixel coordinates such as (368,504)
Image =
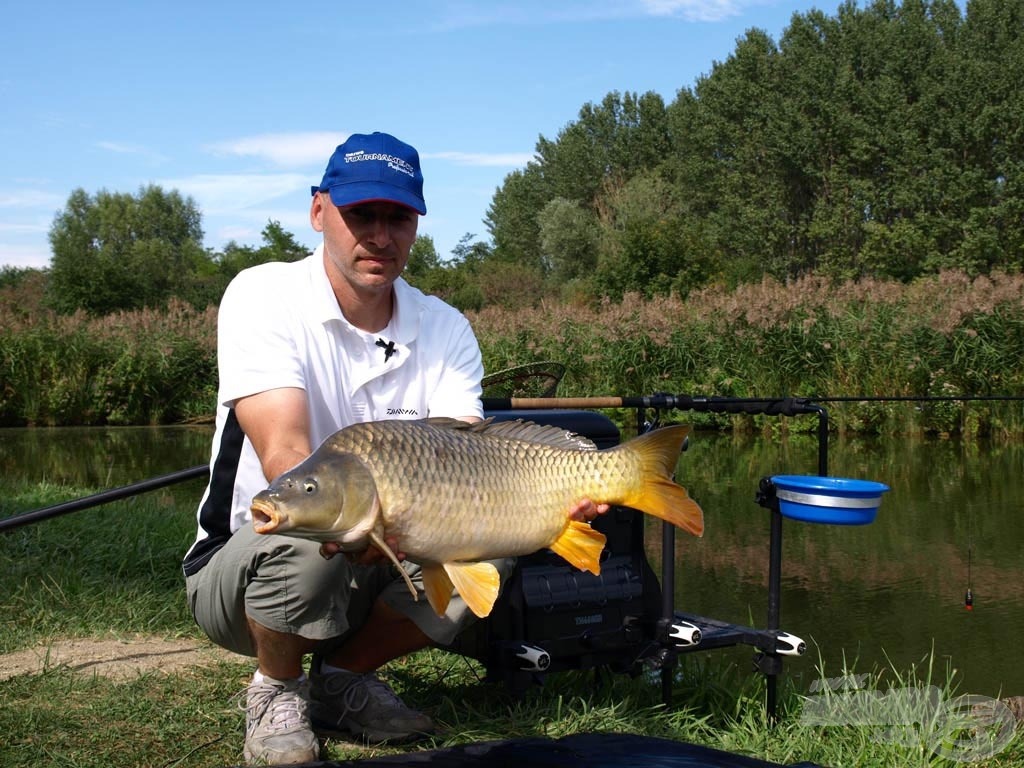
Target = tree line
(883,141)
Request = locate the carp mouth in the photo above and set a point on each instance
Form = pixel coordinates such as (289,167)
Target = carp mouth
(265,516)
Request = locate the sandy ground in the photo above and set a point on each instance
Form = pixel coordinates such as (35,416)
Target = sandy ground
(117,658)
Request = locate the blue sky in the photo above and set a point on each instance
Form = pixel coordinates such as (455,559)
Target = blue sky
(239,104)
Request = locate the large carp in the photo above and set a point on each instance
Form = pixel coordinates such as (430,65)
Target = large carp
(455,494)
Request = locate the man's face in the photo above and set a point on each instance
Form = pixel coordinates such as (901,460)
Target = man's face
(367,243)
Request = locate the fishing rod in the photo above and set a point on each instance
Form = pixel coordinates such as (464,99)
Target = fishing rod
(96,499)
(772,406)
(915,398)
(756,405)
(781,406)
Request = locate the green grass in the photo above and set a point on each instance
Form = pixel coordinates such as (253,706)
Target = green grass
(115,571)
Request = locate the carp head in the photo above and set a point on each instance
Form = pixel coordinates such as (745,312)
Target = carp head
(328,497)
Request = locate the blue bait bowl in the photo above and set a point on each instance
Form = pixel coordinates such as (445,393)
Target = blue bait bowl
(829,500)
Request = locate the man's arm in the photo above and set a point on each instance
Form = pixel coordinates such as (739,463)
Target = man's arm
(277,424)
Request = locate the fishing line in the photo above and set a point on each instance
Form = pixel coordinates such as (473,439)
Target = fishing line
(913,398)
(969,595)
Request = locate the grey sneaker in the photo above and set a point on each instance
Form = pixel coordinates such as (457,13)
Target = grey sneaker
(277,729)
(361,705)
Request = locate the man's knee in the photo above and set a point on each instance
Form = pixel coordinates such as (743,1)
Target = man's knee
(280,582)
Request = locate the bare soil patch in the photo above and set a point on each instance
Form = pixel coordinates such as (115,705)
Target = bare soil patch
(116,658)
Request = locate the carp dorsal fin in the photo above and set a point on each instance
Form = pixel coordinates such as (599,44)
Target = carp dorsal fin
(542,434)
(447,422)
(518,429)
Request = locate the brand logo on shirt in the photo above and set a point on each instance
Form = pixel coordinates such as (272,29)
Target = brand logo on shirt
(402,412)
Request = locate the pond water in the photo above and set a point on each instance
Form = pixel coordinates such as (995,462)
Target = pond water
(886,593)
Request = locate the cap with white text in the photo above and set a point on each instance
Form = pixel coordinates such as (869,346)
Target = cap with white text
(374,167)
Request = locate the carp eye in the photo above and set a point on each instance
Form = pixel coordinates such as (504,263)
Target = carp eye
(309,486)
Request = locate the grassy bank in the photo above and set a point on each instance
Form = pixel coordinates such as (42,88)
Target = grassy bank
(943,336)
(114,572)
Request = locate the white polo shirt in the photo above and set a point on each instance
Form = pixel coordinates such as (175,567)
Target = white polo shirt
(279,325)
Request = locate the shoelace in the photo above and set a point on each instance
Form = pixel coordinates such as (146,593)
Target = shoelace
(287,707)
(357,690)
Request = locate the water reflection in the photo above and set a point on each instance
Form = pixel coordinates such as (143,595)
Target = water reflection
(101,458)
(893,588)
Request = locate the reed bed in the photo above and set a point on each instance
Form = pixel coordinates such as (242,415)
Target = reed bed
(945,336)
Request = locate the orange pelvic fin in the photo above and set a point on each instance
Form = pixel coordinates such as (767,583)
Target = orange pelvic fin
(438,587)
(581,545)
(478,583)
(657,495)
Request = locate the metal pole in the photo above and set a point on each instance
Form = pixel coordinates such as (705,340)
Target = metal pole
(668,581)
(96,499)
(822,440)
(774,600)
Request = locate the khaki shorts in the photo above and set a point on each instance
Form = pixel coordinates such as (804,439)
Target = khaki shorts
(283,583)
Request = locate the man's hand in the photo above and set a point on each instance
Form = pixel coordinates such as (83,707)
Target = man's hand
(585,510)
(368,556)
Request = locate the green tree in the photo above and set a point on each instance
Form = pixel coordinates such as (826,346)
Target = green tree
(615,139)
(22,290)
(278,245)
(734,163)
(423,258)
(569,237)
(425,269)
(512,216)
(213,273)
(991,140)
(608,143)
(650,244)
(118,251)
(882,140)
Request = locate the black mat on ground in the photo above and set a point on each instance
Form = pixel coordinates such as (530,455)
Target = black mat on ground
(588,750)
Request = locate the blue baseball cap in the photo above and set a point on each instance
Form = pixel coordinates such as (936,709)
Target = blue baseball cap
(374,166)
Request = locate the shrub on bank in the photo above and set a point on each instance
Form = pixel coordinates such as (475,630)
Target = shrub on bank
(141,367)
(944,336)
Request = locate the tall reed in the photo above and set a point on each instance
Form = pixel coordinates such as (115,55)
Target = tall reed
(145,367)
(944,336)
(947,336)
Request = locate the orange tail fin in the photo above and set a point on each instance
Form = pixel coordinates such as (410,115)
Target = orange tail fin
(656,494)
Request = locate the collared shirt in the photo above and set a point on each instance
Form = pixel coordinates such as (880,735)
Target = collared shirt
(279,325)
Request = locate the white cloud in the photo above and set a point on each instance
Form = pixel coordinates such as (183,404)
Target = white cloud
(695,10)
(483,159)
(22,228)
(30,198)
(16,255)
(282,149)
(521,13)
(121,148)
(245,227)
(238,233)
(220,194)
(291,150)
